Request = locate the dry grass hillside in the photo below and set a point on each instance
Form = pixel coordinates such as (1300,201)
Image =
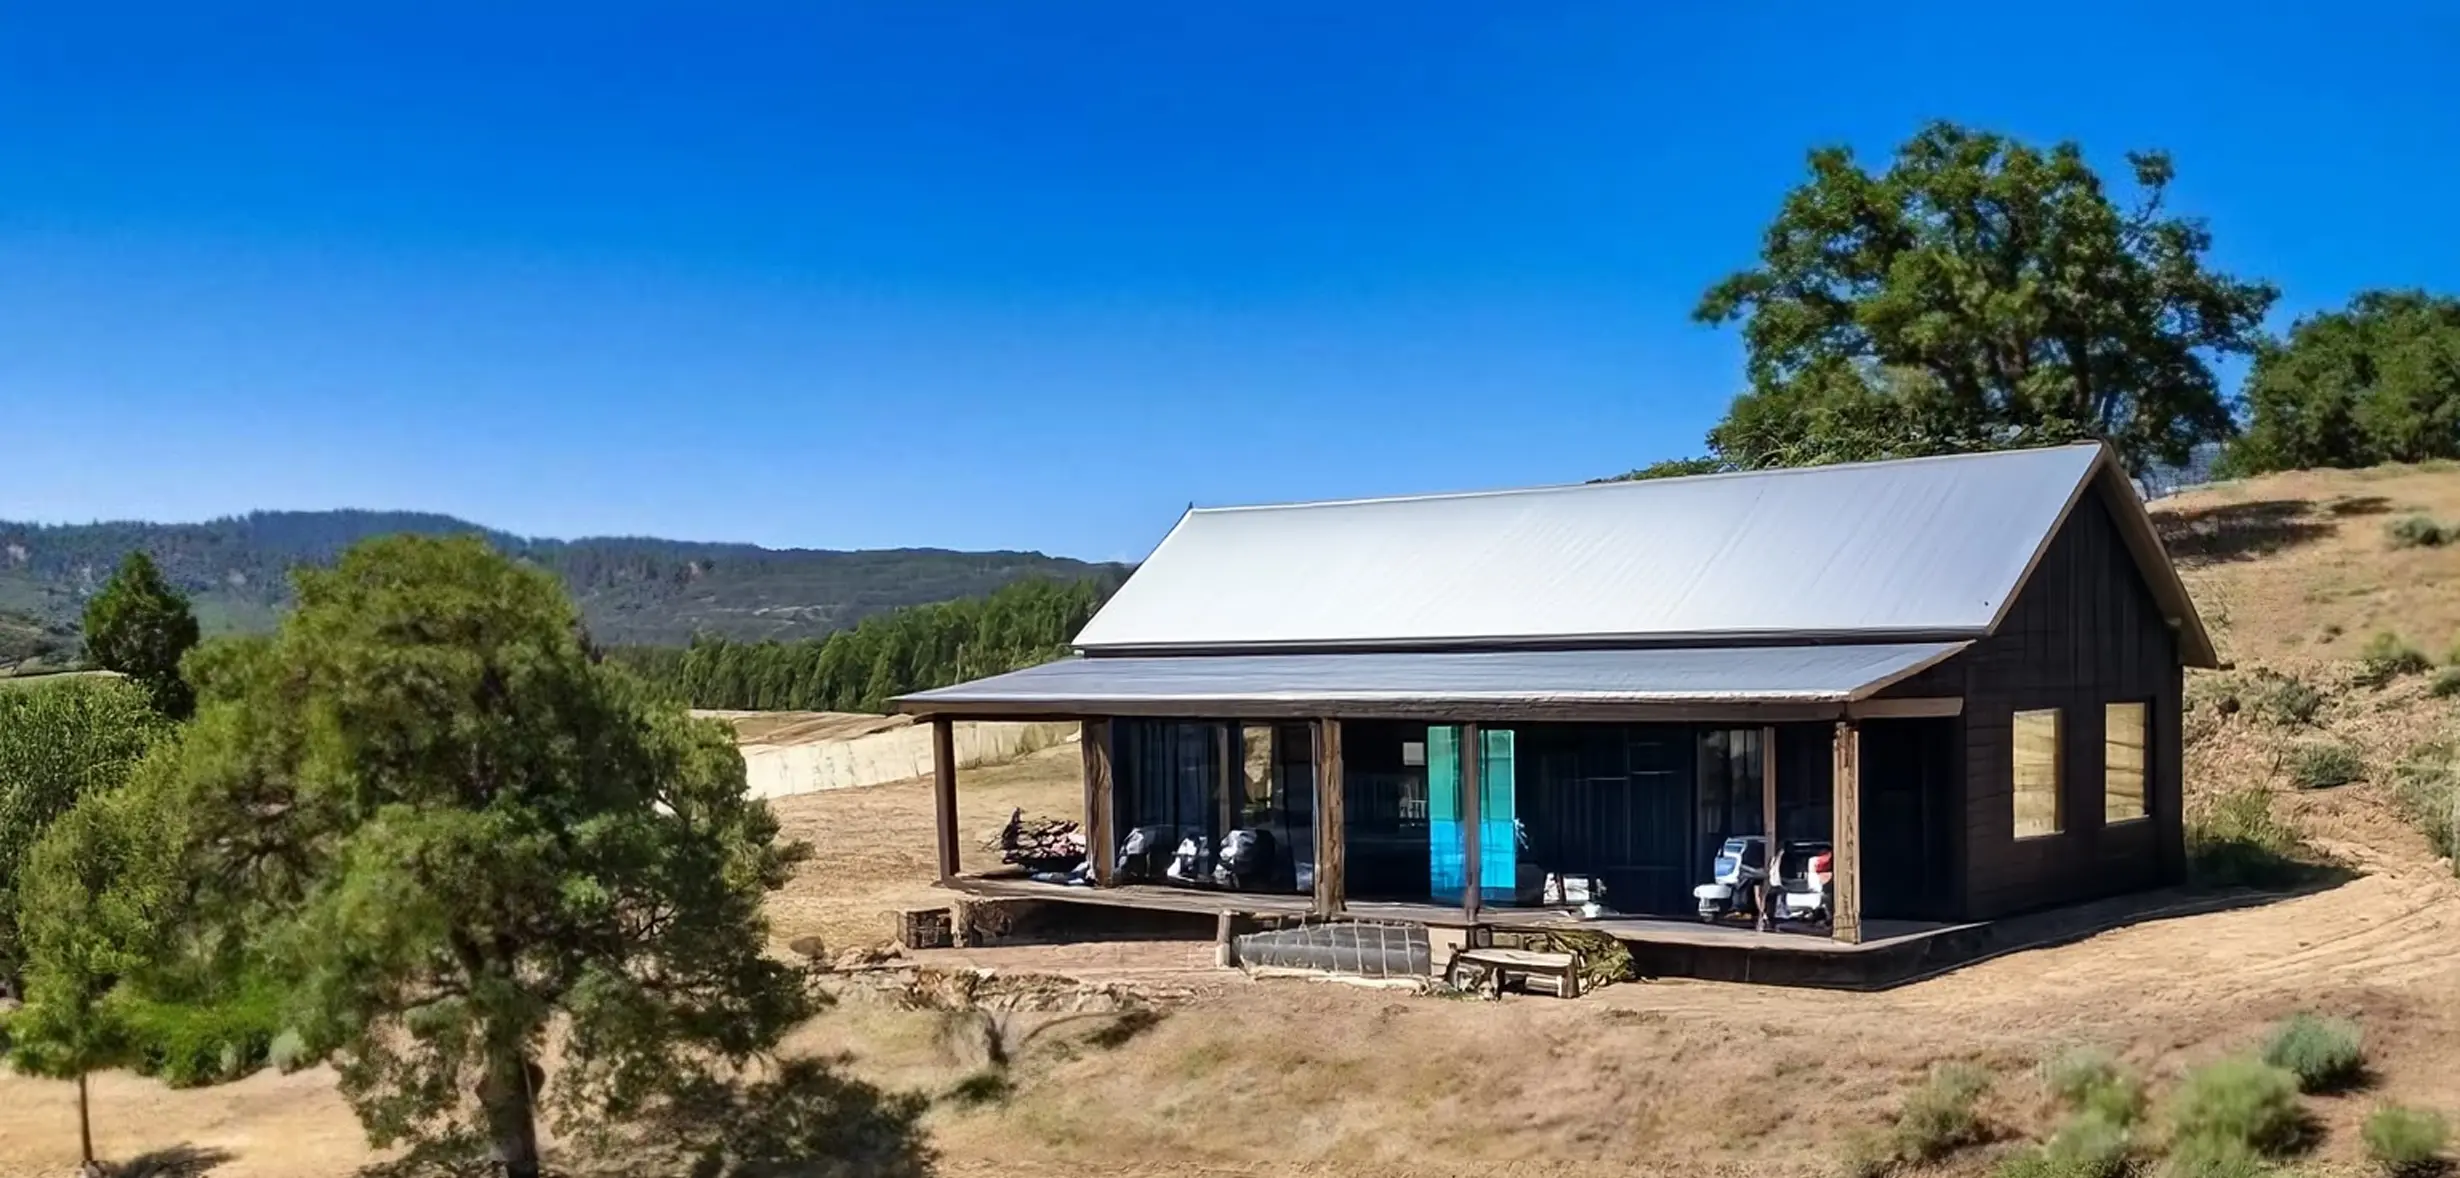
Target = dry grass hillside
(2295,575)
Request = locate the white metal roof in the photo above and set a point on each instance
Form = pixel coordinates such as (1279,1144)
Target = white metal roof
(1405,682)
(1918,547)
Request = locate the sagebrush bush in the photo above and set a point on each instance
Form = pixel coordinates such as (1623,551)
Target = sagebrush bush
(2406,1142)
(2324,764)
(2427,786)
(2285,700)
(2235,1104)
(2445,684)
(2088,1081)
(1866,1153)
(2388,656)
(2325,1054)
(2237,840)
(1942,1115)
(2214,1159)
(2418,531)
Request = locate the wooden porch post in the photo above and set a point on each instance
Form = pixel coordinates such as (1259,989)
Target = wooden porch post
(1847,820)
(1093,738)
(1471,884)
(1331,843)
(944,791)
(1231,772)
(1768,821)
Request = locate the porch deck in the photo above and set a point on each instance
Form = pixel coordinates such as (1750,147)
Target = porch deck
(1879,936)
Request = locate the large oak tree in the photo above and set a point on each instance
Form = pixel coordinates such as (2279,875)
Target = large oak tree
(2378,381)
(1980,293)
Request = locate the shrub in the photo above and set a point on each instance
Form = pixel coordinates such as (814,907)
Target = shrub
(2284,700)
(2214,1159)
(2405,1142)
(2427,785)
(2418,531)
(2388,656)
(2445,684)
(2324,764)
(2325,1054)
(189,1046)
(2236,1105)
(1865,1153)
(2236,840)
(2089,1083)
(1939,1117)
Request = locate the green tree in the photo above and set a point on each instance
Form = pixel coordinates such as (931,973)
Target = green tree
(426,808)
(59,742)
(139,626)
(96,893)
(1980,293)
(2378,381)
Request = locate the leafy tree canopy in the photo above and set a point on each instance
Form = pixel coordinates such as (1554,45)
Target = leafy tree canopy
(96,897)
(429,810)
(59,741)
(139,626)
(1980,293)
(2376,382)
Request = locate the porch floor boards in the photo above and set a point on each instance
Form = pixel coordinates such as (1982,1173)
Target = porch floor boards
(1878,935)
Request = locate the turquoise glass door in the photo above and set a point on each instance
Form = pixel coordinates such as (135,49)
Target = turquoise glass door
(1498,831)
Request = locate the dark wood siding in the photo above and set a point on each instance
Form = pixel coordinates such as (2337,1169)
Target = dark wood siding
(2084,632)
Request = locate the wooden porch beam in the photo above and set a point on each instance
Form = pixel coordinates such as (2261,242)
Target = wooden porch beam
(1472,886)
(1331,843)
(1093,737)
(1922,707)
(1768,821)
(1846,820)
(944,791)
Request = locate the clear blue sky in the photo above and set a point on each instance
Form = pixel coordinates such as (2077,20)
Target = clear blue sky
(1032,275)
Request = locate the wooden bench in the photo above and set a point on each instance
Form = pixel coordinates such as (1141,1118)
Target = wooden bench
(1492,969)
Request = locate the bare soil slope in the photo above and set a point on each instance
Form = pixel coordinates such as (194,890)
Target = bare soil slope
(2293,572)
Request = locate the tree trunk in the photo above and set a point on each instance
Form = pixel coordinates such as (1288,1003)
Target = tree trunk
(85,1131)
(509,1094)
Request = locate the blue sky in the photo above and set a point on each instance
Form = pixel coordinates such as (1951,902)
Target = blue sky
(1032,275)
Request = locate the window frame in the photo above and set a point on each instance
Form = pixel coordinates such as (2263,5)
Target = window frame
(2143,766)
(2058,774)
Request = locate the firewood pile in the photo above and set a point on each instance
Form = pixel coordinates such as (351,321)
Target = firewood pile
(1041,844)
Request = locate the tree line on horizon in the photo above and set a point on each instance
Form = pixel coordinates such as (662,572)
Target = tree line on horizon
(861,669)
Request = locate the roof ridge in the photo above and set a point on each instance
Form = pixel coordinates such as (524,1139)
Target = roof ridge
(1626,484)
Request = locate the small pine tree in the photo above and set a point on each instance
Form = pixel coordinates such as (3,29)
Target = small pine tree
(139,626)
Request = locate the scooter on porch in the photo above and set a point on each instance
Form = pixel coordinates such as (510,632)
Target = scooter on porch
(1805,881)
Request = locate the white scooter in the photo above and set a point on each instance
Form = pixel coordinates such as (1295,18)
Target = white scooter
(1734,878)
(1805,880)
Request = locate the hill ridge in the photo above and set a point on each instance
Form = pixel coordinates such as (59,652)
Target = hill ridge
(632,589)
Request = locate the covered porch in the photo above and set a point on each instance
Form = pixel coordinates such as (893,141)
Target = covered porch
(1494,788)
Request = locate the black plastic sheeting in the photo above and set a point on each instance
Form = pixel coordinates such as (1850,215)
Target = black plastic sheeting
(1357,948)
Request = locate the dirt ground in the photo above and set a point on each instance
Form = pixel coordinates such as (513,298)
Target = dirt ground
(1278,1076)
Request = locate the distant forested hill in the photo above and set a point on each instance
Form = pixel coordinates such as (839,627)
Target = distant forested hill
(633,590)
